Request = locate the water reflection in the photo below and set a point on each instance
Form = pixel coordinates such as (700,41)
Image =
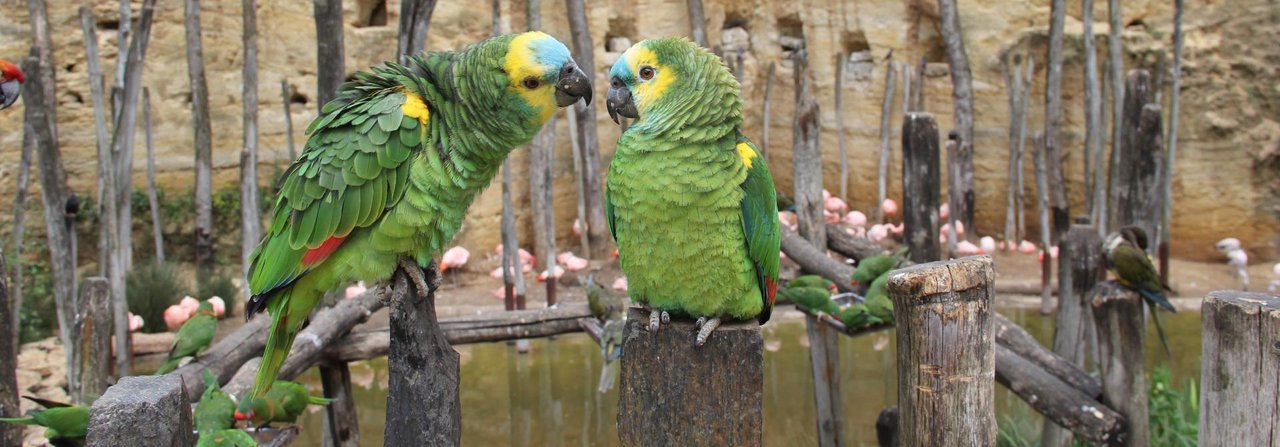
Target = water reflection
(548,397)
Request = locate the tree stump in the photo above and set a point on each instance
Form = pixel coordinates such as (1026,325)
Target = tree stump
(673,393)
(946,352)
(422,393)
(142,411)
(1238,379)
(93,330)
(1118,314)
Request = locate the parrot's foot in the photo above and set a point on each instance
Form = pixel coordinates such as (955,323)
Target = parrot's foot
(705,326)
(657,318)
(425,281)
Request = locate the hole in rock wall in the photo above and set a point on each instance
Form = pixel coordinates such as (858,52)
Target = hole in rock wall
(734,35)
(790,38)
(621,34)
(370,13)
(859,62)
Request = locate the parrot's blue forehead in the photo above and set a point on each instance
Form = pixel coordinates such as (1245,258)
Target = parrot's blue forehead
(549,51)
(621,69)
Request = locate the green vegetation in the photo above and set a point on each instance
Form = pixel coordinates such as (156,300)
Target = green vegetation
(1175,414)
(150,288)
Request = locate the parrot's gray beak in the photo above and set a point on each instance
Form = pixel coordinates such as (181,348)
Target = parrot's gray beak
(573,84)
(619,101)
(9,92)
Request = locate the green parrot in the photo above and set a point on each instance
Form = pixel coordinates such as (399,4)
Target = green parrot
(64,425)
(193,337)
(216,410)
(1127,259)
(284,403)
(229,437)
(875,266)
(604,304)
(390,168)
(811,292)
(689,200)
(814,281)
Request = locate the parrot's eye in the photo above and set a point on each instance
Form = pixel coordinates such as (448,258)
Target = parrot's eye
(646,72)
(531,82)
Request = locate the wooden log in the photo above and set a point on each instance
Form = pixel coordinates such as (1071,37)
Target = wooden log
(673,393)
(849,245)
(415,17)
(10,434)
(93,340)
(250,210)
(697,23)
(330,55)
(806,161)
(947,395)
(824,365)
(1167,187)
(962,94)
(815,261)
(1016,339)
(287,100)
(1238,381)
(1136,188)
(422,399)
(341,425)
(1060,403)
(886,131)
(1118,314)
(142,411)
(1115,60)
(920,183)
(588,141)
(483,328)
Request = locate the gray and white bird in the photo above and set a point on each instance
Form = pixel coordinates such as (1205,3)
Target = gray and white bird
(1237,260)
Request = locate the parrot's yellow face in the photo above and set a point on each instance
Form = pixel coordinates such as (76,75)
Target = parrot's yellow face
(664,83)
(542,74)
(650,77)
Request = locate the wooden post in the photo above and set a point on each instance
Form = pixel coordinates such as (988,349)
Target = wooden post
(19,227)
(697,23)
(1115,58)
(330,56)
(10,434)
(203,139)
(962,92)
(584,239)
(920,183)
(886,131)
(93,340)
(1053,125)
(1174,91)
(1135,188)
(917,98)
(1094,125)
(250,211)
(1012,80)
(824,364)
(806,161)
(946,393)
(588,141)
(1240,357)
(142,411)
(542,180)
(153,199)
(287,99)
(126,119)
(1027,82)
(952,150)
(106,166)
(1081,253)
(841,61)
(1117,313)
(768,94)
(422,395)
(1042,194)
(415,17)
(341,426)
(673,393)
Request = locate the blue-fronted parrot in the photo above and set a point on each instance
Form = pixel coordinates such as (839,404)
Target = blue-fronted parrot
(390,168)
(689,201)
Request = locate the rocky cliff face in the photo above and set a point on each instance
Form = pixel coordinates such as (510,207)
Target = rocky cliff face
(1228,170)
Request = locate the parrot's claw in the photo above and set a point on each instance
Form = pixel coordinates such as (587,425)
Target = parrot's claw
(421,284)
(657,318)
(705,327)
(666,317)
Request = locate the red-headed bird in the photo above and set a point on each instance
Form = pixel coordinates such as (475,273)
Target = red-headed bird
(11,80)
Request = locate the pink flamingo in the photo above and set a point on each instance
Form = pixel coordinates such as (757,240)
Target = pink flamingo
(454,258)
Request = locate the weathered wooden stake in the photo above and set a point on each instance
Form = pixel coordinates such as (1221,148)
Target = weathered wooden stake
(946,352)
(1080,253)
(106,166)
(1042,194)
(824,364)
(153,199)
(341,425)
(1135,187)
(142,411)
(203,139)
(19,226)
(1027,82)
(886,132)
(250,211)
(1094,127)
(962,94)
(422,398)
(1239,387)
(10,434)
(542,179)
(841,61)
(705,395)
(1166,234)
(697,22)
(584,239)
(1121,325)
(1053,124)
(287,100)
(768,94)
(331,69)
(93,340)
(806,163)
(920,183)
(588,141)
(1012,82)
(415,17)
(1115,60)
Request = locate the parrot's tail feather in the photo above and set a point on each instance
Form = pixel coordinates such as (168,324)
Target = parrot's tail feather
(319,400)
(279,342)
(46,402)
(169,365)
(20,421)
(607,374)
(1164,341)
(1157,299)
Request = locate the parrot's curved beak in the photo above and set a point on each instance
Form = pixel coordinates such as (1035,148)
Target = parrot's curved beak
(619,101)
(9,92)
(573,85)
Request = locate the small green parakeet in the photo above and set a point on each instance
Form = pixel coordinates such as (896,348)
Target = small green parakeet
(64,425)
(604,304)
(216,410)
(815,281)
(1127,259)
(193,337)
(230,437)
(391,166)
(689,200)
(284,403)
(875,266)
(811,292)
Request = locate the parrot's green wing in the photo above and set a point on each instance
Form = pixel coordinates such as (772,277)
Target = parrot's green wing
(193,337)
(760,223)
(353,168)
(1133,267)
(227,438)
(215,410)
(67,422)
(609,217)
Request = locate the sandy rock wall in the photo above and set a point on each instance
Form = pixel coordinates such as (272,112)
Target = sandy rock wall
(1228,181)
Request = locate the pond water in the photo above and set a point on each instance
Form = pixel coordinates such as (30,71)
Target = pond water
(547,397)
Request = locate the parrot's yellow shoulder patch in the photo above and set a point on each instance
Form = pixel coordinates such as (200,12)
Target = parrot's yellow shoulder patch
(747,154)
(414,107)
(648,91)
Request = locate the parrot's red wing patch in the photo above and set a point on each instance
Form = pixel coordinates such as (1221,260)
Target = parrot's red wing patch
(326,248)
(771,290)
